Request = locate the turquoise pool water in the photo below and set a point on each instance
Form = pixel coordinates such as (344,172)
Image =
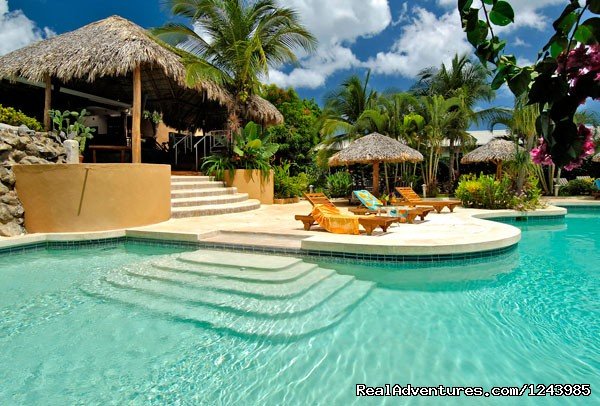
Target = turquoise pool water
(69,335)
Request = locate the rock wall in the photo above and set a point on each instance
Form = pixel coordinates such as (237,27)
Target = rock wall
(19,145)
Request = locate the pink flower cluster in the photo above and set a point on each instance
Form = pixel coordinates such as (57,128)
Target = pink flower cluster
(540,155)
(583,61)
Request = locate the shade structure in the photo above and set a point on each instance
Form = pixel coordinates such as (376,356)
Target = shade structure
(495,151)
(374,149)
(113,58)
(596,158)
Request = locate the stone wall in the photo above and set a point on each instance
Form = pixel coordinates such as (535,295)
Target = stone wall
(19,145)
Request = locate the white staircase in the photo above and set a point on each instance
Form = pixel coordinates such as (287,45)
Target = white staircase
(193,196)
(244,294)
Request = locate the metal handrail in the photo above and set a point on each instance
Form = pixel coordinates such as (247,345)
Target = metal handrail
(184,139)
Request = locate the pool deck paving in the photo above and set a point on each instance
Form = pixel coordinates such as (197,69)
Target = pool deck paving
(273,226)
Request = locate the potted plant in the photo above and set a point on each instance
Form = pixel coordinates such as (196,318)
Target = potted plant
(155,118)
(247,164)
(76,132)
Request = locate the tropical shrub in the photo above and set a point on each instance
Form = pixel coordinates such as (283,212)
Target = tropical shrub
(577,187)
(486,192)
(250,149)
(287,186)
(10,116)
(339,184)
(77,130)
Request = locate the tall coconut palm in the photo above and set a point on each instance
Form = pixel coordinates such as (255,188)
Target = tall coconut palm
(465,80)
(440,114)
(234,42)
(344,106)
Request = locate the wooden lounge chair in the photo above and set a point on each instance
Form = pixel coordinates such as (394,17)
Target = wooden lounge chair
(413,199)
(372,205)
(369,223)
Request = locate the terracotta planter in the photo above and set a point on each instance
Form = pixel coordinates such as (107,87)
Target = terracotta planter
(253,182)
(80,159)
(288,200)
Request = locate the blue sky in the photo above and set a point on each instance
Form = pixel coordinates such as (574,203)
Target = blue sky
(393,38)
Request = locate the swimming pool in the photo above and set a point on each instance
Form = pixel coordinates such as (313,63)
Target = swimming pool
(299,332)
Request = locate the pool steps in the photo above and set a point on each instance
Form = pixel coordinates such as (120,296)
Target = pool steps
(193,196)
(286,299)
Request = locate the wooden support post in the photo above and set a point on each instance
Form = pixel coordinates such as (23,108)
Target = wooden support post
(136,132)
(47,103)
(376,179)
(499,170)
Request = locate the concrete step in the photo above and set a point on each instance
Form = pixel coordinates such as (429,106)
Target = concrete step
(208,200)
(218,191)
(196,178)
(195,185)
(214,209)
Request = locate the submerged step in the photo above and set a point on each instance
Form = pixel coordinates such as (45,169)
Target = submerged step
(306,324)
(246,260)
(245,305)
(237,273)
(250,288)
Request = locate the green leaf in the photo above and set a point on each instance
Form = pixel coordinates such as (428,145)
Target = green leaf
(464,5)
(589,32)
(479,34)
(594,6)
(470,20)
(519,83)
(546,66)
(490,2)
(502,14)
(548,89)
(558,46)
(566,23)
(254,144)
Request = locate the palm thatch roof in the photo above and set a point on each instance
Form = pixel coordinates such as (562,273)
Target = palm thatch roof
(262,111)
(497,150)
(596,158)
(375,148)
(110,47)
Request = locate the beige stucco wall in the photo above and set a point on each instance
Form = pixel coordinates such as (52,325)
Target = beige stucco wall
(93,197)
(253,183)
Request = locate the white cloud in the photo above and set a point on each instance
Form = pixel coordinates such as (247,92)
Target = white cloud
(16,30)
(427,41)
(336,24)
(528,13)
(520,43)
(317,68)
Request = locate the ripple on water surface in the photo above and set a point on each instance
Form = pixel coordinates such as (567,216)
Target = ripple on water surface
(528,317)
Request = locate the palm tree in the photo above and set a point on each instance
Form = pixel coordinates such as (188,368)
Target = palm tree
(440,114)
(344,106)
(468,82)
(234,42)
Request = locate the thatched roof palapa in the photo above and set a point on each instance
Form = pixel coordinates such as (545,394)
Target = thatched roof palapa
(100,58)
(497,150)
(262,111)
(110,47)
(375,148)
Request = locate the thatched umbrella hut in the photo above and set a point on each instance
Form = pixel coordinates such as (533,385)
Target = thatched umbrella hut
(596,158)
(495,151)
(374,149)
(119,60)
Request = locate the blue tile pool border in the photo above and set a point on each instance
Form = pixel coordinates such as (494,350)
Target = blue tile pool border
(306,254)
